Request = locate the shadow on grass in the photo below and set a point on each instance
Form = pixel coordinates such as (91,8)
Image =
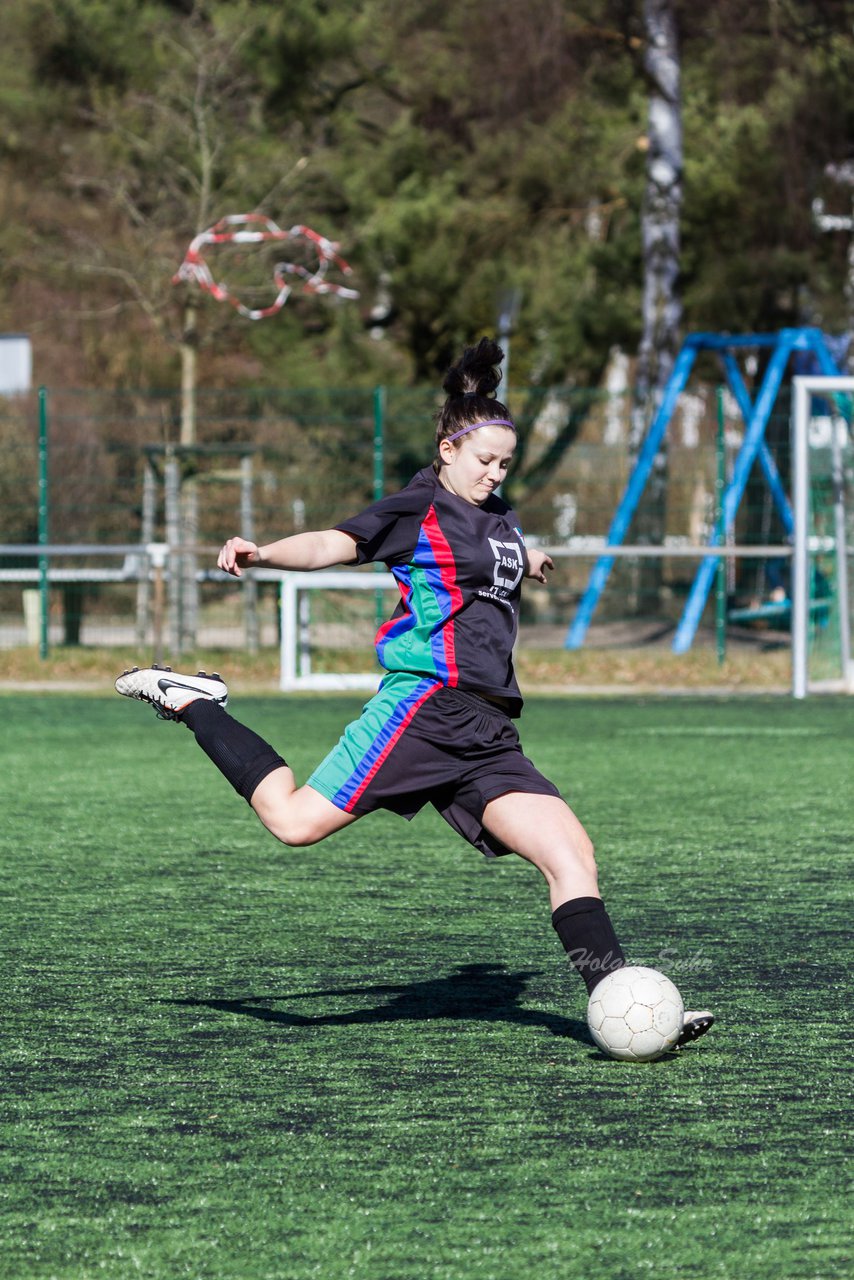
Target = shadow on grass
(478,992)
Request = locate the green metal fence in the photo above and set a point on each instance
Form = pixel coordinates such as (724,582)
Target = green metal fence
(108,525)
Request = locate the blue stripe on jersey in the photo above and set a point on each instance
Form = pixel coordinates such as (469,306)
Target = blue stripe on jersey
(383,734)
(394,629)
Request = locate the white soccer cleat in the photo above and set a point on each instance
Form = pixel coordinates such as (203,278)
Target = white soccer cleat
(168,692)
(695,1024)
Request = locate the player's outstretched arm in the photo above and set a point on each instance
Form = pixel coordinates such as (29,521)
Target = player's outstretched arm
(302,551)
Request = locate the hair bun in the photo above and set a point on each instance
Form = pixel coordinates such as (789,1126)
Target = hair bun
(476,372)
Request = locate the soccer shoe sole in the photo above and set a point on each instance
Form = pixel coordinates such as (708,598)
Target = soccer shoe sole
(696,1025)
(166,689)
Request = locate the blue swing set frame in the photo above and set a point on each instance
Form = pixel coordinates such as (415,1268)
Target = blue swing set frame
(756,413)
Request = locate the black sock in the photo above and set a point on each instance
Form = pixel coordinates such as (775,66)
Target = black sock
(584,927)
(239,753)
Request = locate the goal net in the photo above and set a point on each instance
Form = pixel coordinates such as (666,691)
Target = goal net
(328,623)
(821,589)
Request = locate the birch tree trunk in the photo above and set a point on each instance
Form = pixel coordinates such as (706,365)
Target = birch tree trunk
(662,307)
(187,563)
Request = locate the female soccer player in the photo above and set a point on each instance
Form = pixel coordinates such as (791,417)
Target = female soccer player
(440,729)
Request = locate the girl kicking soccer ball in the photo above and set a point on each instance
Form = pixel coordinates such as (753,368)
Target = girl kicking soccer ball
(440,729)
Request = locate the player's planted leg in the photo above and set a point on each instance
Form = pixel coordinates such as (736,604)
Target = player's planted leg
(545,831)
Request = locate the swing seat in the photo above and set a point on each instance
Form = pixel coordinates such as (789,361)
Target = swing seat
(775,610)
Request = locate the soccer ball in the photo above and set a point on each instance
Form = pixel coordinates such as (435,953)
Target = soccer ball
(635,1014)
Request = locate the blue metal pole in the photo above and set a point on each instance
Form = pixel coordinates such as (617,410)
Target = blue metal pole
(766,461)
(634,489)
(813,339)
(756,423)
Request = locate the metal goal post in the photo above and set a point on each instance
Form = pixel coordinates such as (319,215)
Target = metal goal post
(295,655)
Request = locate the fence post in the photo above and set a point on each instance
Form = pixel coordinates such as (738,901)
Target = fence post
(44,526)
(149,515)
(156,555)
(379,477)
(172,487)
(379,441)
(247,528)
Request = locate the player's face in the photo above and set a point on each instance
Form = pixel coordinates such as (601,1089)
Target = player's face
(476,465)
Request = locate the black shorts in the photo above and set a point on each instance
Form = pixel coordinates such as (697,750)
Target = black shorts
(420,742)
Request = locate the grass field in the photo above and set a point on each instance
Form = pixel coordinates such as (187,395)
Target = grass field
(228,1060)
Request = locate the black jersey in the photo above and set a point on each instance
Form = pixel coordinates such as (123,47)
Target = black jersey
(459,569)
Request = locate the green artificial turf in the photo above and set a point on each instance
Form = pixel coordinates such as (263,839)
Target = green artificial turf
(225,1059)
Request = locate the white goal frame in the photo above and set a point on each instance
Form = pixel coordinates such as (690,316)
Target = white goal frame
(805,388)
(294,669)
(295,673)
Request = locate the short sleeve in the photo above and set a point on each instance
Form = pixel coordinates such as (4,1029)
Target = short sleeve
(388,530)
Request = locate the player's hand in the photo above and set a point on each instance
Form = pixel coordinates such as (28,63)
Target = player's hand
(237,554)
(538,562)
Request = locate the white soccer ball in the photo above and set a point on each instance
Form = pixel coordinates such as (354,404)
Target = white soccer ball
(635,1014)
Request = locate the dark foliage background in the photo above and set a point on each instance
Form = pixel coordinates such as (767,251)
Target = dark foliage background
(454,152)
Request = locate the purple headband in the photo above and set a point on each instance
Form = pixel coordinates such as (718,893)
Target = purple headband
(490,422)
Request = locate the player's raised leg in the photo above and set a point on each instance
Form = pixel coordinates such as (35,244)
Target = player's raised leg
(295,815)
